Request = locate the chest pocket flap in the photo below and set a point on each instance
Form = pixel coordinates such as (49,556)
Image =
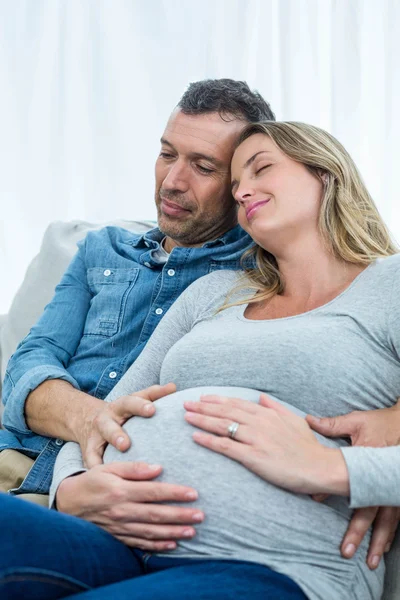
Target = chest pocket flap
(110,288)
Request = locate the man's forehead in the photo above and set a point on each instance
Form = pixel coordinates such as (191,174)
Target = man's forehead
(209,128)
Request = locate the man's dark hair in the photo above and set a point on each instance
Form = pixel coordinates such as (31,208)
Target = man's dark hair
(229,98)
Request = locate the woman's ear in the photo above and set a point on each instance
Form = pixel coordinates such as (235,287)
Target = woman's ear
(324,175)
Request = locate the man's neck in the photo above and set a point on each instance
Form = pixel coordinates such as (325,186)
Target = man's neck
(169,243)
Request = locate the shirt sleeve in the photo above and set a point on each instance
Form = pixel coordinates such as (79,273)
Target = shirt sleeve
(374,475)
(197,299)
(46,351)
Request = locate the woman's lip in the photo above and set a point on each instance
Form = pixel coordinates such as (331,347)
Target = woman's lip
(250,210)
(170,208)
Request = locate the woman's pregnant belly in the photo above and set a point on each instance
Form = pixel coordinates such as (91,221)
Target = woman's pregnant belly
(245,517)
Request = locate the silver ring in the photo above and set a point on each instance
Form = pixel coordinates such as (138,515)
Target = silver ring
(232,429)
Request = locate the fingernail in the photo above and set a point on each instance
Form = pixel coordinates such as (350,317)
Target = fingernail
(154,467)
(375,561)
(387,547)
(148,408)
(198,517)
(191,496)
(171,546)
(350,550)
(120,441)
(188,532)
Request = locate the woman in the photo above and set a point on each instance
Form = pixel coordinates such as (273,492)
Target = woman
(314,326)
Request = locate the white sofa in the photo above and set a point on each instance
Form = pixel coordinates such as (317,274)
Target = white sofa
(44,272)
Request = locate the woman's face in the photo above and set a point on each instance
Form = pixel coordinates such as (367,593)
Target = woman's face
(279,198)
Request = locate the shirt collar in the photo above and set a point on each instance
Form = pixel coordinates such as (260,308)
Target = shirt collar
(152,238)
(149,239)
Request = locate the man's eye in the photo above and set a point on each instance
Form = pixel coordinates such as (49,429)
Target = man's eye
(262,169)
(166,155)
(204,170)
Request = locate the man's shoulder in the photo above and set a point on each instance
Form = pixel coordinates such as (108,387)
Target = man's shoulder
(112,234)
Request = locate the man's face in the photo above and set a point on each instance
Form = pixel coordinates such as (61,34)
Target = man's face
(193,195)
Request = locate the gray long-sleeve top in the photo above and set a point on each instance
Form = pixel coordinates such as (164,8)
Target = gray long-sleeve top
(340,357)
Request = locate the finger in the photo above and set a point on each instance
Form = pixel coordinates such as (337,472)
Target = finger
(222,445)
(150,491)
(93,457)
(385,526)
(132,406)
(152,532)
(155,392)
(358,527)
(224,401)
(218,426)
(127,516)
(333,426)
(319,497)
(111,432)
(226,412)
(267,402)
(143,544)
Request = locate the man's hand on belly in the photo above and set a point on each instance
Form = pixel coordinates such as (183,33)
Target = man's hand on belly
(122,499)
(374,428)
(106,426)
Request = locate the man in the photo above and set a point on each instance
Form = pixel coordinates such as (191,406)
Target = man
(108,303)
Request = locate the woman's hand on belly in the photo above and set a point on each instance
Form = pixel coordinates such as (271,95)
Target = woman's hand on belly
(270,441)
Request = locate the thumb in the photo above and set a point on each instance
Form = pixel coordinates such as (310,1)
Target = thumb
(155,392)
(332,426)
(92,458)
(274,405)
(134,471)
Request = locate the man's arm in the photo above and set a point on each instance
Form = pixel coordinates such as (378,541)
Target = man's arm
(57,409)
(42,358)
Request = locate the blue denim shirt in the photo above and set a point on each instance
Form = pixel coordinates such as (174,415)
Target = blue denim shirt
(107,305)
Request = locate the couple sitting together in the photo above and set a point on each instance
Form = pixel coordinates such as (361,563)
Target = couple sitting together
(213,484)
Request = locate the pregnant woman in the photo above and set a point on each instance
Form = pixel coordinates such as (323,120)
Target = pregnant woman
(314,326)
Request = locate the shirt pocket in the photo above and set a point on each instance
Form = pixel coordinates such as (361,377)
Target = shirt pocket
(110,289)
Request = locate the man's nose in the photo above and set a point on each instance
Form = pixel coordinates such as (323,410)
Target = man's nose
(177,177)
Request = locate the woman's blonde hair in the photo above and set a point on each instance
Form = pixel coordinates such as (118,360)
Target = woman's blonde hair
(349,221)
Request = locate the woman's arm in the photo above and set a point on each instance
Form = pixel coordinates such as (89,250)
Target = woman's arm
(374,475)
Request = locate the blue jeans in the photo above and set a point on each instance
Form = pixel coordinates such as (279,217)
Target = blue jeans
(45,555)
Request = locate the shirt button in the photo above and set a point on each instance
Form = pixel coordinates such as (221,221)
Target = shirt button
(107,273)
(159,311)
(147,264)
(171,272)
(59,442)
(112,375)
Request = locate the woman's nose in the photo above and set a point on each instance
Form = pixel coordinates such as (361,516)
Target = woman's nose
(243,193)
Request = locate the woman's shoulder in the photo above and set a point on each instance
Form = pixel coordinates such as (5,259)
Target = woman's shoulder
(386,269)
(210,291)
(217,281)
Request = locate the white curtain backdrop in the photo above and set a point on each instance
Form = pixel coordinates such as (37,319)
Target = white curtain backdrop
(86,87)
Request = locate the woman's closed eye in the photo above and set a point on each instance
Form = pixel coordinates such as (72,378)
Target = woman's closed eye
(262,168)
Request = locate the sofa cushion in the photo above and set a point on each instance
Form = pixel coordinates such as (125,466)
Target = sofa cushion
(42,276)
